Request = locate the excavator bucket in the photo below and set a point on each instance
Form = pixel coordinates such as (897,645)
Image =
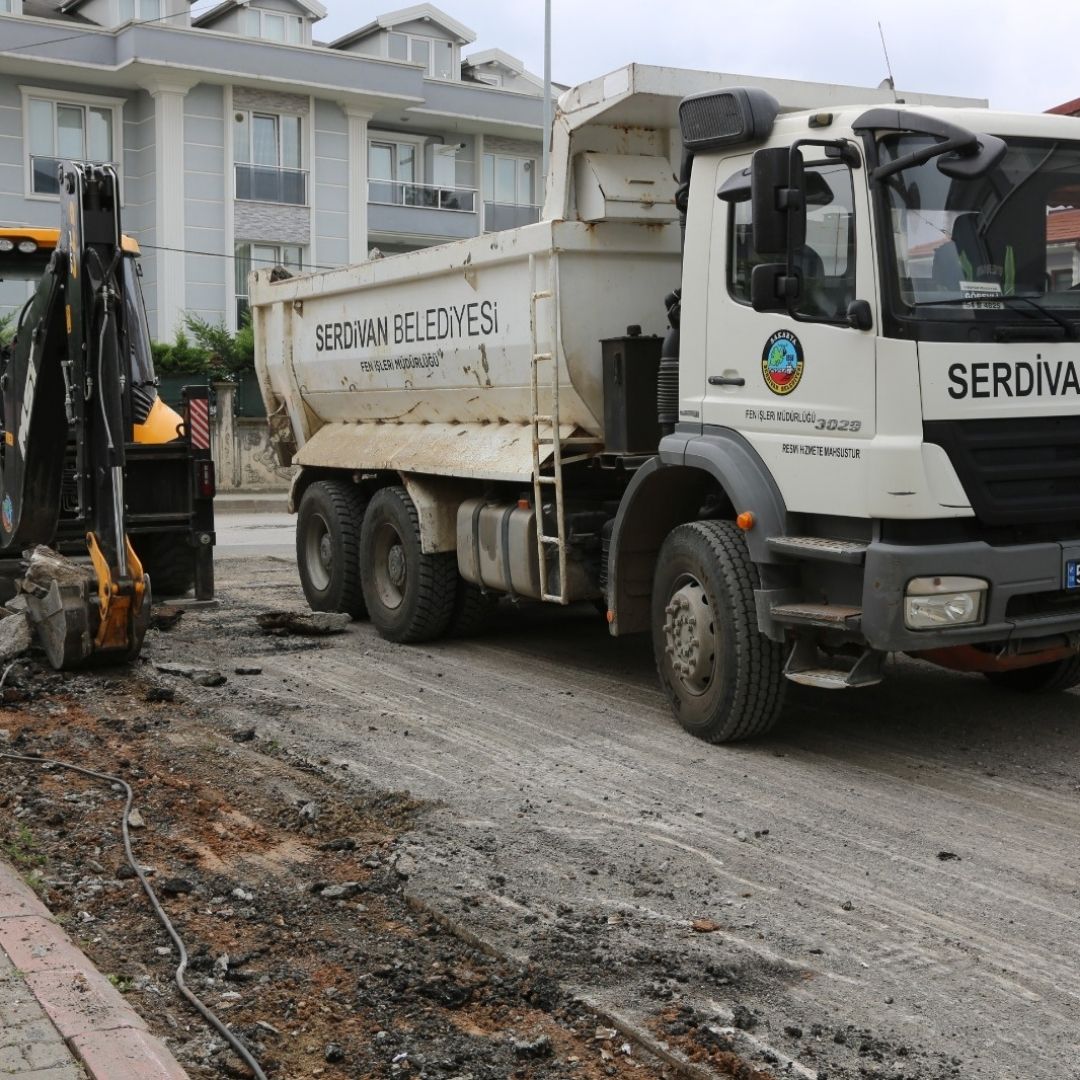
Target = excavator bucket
(82,616)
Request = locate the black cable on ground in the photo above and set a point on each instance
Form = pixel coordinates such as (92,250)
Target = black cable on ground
(238,1047)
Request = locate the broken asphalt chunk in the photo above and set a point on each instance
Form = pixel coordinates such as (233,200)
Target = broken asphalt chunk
(344,891)
(304,623)
(15,637)
(200,675)
(165,616)
(176,886)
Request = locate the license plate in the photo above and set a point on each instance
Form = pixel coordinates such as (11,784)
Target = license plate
(1072,573)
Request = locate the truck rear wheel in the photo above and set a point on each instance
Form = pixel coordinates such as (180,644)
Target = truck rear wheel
(1041,679)
(328,547)
(472,610)
(724,679)
(409,595)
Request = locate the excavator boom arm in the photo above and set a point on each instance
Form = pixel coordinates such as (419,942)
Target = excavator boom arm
(66,376)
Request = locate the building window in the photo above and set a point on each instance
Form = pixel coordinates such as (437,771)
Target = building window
(140,10)
(272,26)
(510,192)
(67,130)
(436,55)
(252,256)
(1061,280)
(268,150)
(392,167)
(5,7)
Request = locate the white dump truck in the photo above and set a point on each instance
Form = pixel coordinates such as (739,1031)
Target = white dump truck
(788,376)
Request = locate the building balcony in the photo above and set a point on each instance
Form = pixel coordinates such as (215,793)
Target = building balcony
(264,183)
(421,212)
(428,196)
(500,216)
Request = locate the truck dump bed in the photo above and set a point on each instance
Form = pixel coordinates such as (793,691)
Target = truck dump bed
(426,358)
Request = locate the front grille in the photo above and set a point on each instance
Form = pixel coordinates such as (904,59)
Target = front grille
(1016,470)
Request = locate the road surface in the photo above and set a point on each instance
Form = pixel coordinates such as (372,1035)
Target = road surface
(891,883)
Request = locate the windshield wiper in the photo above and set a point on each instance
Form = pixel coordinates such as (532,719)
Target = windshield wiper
(1071,328)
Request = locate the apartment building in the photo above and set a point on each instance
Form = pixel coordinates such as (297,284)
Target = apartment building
(242,139)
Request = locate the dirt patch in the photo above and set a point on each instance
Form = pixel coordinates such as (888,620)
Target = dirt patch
(289,890)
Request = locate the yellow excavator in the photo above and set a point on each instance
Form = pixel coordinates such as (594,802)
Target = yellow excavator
(90,455)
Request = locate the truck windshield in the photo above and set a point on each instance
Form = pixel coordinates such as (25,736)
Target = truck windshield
(999,251)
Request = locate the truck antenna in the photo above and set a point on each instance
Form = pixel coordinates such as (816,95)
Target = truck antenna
(888,64)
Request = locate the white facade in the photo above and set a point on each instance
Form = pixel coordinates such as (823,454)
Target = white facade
(241,141)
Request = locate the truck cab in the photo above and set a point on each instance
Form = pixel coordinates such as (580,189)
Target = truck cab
(870,319)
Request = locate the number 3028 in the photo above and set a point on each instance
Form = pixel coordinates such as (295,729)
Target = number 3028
(838,425)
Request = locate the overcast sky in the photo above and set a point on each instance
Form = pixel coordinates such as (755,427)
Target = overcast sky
(1020,55)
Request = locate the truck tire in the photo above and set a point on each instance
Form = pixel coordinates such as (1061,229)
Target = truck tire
(472,610)
(169,560)
(1041,679)
(409,595)
(729,683)
(328,547)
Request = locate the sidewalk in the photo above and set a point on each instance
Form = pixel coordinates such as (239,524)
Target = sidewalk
(60,1019)
(252,502)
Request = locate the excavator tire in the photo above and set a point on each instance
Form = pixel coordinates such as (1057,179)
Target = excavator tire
(169,560)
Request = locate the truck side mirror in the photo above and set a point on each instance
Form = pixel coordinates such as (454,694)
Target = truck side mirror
(778,200)
(773,287)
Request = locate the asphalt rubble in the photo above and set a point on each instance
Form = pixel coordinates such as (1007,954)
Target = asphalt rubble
(290,884)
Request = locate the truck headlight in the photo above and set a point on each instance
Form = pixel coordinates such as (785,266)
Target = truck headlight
(6,244)
(933,602)
(27,247)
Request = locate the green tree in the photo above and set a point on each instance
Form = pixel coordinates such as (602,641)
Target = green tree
(230,354)
(208,349)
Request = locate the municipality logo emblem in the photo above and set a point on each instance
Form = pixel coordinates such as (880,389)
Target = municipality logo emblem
(782,362)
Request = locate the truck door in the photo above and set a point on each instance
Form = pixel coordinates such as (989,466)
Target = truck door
(800,388)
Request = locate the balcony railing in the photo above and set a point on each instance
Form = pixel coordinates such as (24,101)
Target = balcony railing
(428,196)
(499,216)
(264,183)
(46,174)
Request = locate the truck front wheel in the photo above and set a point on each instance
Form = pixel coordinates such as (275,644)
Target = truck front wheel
(725,680)
(410,596)
(328,547)
(1041,679)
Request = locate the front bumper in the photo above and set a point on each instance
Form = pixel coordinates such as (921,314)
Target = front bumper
(1026,599)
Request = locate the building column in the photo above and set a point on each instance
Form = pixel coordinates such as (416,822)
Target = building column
(478,177)
(358,184)
(169,207)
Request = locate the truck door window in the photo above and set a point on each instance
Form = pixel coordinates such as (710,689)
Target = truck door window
(827,261)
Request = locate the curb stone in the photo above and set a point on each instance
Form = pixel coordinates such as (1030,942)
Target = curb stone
(101,1029)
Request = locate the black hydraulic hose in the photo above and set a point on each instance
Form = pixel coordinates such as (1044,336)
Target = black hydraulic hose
(238,1047)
